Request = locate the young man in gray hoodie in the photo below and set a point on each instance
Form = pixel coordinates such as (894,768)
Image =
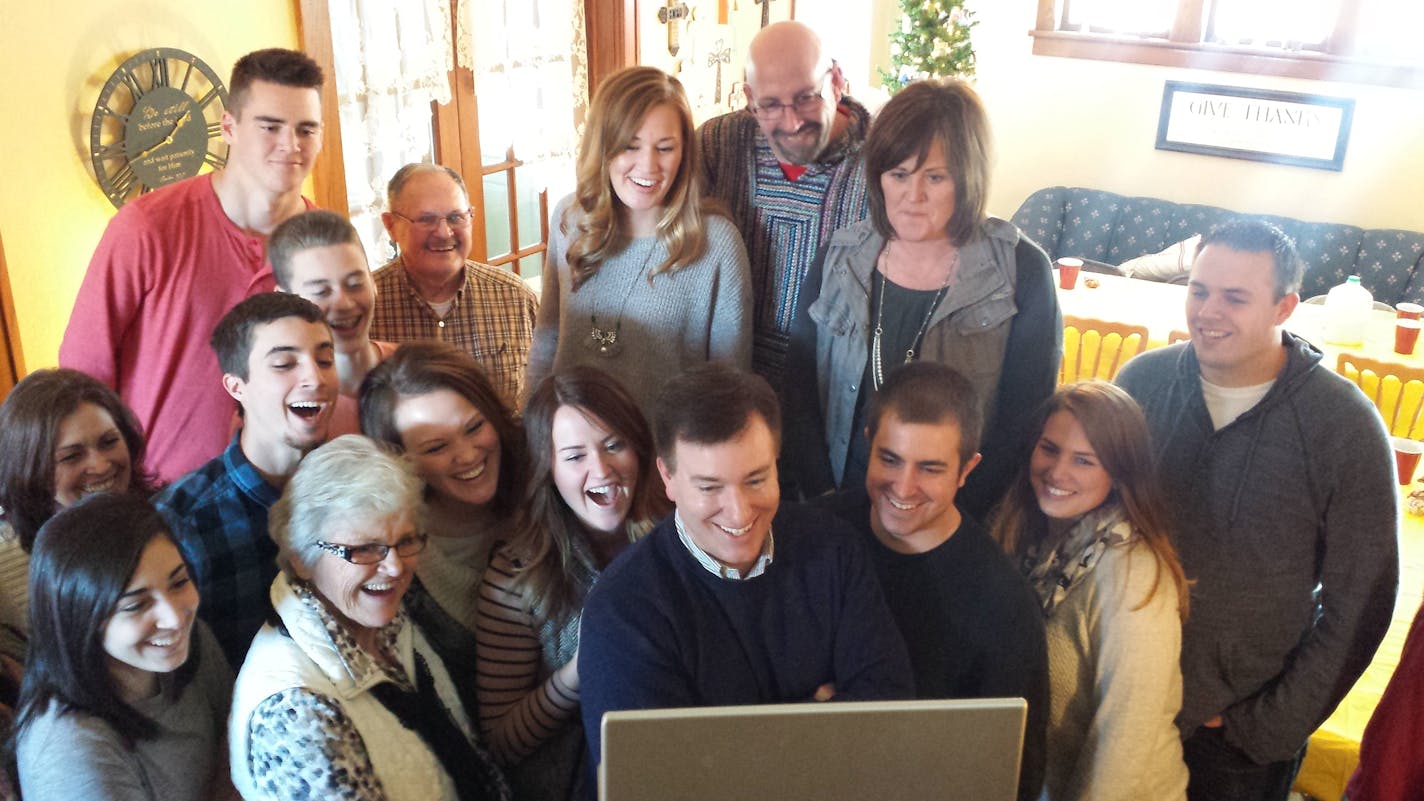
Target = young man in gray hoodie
(1280,480)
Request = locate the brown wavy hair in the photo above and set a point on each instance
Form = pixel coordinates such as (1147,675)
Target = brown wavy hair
(547,547)
(29,426)
(620,105)
(925,112)
(1117,430)
(418,368)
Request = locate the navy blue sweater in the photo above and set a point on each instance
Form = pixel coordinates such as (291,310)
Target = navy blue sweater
(660,630)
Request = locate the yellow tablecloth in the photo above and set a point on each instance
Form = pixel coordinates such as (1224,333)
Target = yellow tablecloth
(1334,749)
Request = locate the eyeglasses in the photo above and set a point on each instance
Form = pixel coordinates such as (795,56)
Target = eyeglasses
(804,103)
(376,552)
(455,219)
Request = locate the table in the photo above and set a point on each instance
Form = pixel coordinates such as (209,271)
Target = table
(1162,309)
(1334,748)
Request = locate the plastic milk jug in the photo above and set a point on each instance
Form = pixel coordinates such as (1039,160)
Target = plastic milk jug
(1347,313)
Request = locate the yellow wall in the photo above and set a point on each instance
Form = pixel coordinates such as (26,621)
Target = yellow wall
(56,56)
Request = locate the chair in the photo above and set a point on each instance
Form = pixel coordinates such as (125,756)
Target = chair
(1097,348)
(1395,389)
(1178,335)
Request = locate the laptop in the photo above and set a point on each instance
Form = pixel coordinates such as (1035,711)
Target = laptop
(853,751)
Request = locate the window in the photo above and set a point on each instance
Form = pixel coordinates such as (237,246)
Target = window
(1367,41)
(404,88)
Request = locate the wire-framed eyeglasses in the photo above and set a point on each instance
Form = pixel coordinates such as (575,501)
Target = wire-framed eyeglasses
(375,552)
(455,219)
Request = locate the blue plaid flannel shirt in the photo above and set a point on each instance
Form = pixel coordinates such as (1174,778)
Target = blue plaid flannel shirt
(219,516)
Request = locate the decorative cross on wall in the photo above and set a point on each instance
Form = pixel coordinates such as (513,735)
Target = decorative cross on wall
(765,12)
(720,55)
(670,15)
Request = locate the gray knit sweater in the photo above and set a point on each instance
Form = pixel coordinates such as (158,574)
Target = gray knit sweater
(1297,492)
(699,313)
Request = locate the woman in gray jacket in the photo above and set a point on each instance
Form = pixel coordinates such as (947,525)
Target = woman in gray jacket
(928,276)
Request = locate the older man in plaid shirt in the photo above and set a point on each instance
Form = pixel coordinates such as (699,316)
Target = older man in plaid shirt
(433,291)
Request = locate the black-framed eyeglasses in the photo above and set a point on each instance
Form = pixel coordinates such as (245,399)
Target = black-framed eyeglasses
(455,219)
(805,103)
(376,552)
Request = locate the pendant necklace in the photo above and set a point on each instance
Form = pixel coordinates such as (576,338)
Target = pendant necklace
(877,372)
(605,342)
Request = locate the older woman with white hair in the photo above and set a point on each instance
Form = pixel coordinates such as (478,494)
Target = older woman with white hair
(343,696)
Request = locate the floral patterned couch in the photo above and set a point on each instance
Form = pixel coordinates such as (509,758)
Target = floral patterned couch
(1111,228)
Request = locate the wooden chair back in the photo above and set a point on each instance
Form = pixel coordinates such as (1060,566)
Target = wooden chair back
(1397,390)
(1097,348)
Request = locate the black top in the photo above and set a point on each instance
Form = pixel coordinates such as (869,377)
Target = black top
(973,626)
(901,329)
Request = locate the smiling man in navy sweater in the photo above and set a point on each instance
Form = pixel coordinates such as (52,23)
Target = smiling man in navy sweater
(734,599)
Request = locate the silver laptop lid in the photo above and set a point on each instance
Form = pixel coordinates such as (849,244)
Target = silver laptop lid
(860,751)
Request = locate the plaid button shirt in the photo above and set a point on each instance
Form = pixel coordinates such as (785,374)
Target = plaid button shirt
(218,514)
(492,319)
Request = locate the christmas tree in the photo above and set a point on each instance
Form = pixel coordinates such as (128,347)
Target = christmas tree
(933,41)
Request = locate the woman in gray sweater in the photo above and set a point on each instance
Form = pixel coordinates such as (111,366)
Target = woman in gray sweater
(1085,520)
(641,280)
(125,693)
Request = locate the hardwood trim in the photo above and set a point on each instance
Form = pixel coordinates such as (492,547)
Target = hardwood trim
(329,173)
(465,103)
(612,32)
(1187,25)
(12,363)
(1313,66)
(1045,20)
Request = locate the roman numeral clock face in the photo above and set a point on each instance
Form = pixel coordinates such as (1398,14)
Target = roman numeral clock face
(156,121)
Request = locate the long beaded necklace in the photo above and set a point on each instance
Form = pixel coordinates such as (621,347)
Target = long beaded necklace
(605,342)
(877,371)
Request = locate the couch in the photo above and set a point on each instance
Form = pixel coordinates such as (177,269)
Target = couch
(1106,227)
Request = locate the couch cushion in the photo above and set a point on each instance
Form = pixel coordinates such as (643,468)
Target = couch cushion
(1089,217)
(1041,217)
(1395,258)
(1143,227)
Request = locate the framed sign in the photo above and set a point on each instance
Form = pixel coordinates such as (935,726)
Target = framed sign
(1257,124)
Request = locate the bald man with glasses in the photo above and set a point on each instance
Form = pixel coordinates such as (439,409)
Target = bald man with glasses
(431,290)
(788,168)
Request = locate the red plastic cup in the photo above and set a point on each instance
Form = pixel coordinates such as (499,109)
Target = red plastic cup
(1068,269)
(1406,458)
(1408,311)
(1406,335)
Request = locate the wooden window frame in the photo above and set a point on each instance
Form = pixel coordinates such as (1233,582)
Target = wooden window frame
(1183,47)
(612,42)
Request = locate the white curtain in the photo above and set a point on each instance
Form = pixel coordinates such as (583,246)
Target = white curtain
(393,57)
(529,59)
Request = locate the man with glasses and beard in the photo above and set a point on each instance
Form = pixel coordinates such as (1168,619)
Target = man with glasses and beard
(788,168)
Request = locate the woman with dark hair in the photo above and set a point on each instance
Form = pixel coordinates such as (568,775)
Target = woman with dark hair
(593,490)
(126,693)
(1086,521)
(928,276)
(64,435)
(437,406)
(642,280)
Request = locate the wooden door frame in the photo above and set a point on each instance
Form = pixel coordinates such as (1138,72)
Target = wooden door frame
(12,362)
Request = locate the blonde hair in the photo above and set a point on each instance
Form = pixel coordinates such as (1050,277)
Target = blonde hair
(621,104)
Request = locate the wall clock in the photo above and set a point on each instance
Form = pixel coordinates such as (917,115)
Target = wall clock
(157,121)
